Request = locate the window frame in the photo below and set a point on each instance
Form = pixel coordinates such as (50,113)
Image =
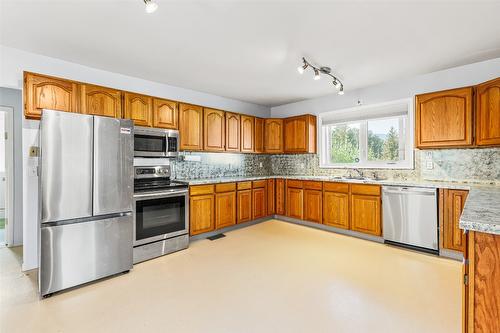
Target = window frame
(369,111)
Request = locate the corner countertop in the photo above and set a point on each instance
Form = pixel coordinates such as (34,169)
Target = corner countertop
(481,212)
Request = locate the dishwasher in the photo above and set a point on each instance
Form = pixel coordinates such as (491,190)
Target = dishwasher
(410,217)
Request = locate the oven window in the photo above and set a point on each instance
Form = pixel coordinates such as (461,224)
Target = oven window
(156,217)
(149,143)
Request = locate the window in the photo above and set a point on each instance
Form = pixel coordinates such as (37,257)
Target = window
(368,137)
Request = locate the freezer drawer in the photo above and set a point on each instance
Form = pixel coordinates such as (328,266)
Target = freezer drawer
(77,253)
(410,216)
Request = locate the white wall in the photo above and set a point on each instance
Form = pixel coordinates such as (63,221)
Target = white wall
(15,61)
(2,165)
(12,64)
(446,79)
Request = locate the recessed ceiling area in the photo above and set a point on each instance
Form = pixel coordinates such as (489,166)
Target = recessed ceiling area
(250,50)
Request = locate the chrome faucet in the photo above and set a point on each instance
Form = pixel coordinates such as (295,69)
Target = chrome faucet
(359,172)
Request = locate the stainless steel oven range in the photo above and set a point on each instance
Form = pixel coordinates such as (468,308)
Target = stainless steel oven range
(161,209)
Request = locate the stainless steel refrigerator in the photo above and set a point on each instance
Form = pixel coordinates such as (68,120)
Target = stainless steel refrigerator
(86,202)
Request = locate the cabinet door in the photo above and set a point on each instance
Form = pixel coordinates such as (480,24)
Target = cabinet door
(43,92)
(271,197)
(225,209)
(201,214)
(190,127)
(247,133)
(295,203)
(214,130)
(259,135)
(313,205)
(244,204)
(336,209)
(232,131)
(488,113)
(273,135)
(280,197)
(453,237)
(259,203)
(165,114)
(139,108)
(365,214)
(100,101)
(444,119)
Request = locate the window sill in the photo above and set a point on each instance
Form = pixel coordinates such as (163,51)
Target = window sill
(368,166)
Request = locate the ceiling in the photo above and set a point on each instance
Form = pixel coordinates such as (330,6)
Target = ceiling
(249,50)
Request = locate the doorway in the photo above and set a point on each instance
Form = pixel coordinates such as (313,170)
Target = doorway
(6,176)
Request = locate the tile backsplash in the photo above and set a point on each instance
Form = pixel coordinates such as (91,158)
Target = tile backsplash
(461,165)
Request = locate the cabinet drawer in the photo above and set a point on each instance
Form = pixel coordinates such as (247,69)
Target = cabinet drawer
(244,185)
(336,187)
(365,189)
(259,183)
(226,187)
(294,183)
(201,189)
(313,185)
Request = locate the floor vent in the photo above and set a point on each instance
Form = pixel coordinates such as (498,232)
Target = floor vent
(214,237)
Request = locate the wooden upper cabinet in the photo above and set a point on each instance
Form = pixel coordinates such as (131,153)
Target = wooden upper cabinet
(280,197)
(273,135)
(259,204)
(488,113)
(232,131)
(201,214)
(45,92)
(444,118)
(139,108)
(190,127)
(271,197)
(300,134)
(313,205)
(214,130)
(259,135)
(165,114)
(247,133)
(453,237)
(100,101)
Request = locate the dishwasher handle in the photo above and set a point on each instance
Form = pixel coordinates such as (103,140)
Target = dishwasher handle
(408,190)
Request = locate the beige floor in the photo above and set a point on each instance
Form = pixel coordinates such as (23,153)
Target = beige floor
(271,277)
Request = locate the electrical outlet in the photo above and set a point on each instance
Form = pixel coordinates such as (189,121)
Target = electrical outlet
(428,155)
(429,165)
(260,164)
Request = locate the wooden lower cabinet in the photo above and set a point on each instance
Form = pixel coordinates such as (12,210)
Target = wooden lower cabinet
(483,298)
(295,203)
(336,209)
(201,214)
(225,209)
(244,204)
(313,205)
(280,197)
(453,202)
(271,197)
(365,214)
(259,207)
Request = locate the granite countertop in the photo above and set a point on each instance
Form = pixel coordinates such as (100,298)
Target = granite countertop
(481,212)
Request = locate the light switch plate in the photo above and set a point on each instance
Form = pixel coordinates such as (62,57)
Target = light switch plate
(429,165)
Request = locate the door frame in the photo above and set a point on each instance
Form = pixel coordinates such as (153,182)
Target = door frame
(9,171)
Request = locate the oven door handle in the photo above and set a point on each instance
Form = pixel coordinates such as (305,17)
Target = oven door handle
(163,194)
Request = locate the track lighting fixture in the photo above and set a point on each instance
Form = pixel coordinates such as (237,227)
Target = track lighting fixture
(322,70)
(151,6)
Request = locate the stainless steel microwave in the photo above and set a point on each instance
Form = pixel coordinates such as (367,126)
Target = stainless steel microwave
(155,142)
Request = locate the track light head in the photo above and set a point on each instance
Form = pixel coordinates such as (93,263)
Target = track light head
(302,68)
(336,83)
(341,90)
(316,74)
(151,6)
